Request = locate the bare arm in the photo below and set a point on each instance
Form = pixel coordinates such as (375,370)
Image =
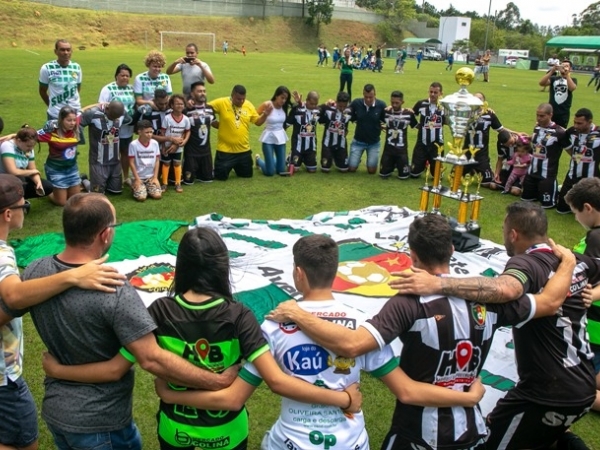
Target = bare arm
(100,372)
(177,370)
(11,168)
(173,67)
(570,83)
(234,397)
(478,289)
(411,392)
(337,338)
(18,294)
(43,90)
(208,75)
(545,81)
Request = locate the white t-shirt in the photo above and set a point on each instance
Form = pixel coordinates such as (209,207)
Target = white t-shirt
(300,425)
(9,149)
(175,128)
(145,157)
(63,84)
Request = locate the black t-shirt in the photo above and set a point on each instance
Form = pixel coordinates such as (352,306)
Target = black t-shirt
(553,353)
(431,122)
(396,127)
(201,117)
(560,96)
(585,153)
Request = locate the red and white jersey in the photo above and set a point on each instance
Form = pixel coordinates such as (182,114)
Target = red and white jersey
(175,128)
(302,425)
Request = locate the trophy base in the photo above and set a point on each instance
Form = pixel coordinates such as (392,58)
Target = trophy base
(464,240)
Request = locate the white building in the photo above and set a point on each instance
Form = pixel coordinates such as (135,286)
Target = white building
(453,29)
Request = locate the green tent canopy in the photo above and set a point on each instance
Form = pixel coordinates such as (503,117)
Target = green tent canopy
(578,42)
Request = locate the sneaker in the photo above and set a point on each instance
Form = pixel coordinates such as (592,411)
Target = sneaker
(178,188)
(85,182)
(127,182)
(163,188)
(256,158)
(570,441)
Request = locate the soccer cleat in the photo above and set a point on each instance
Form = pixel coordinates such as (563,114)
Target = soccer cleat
(178,188)
(163,188)
(256,158)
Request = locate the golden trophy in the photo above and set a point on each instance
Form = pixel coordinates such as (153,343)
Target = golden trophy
(461,109)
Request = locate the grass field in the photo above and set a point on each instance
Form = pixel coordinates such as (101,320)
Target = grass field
(513,94)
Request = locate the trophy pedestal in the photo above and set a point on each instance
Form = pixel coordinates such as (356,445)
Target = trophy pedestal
(465,238)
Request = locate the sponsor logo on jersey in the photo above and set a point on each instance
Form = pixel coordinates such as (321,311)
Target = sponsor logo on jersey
(341,364)
(152,278)
(288,327)
(306,359)
(290,445)
(343,321)
(458,366)
(478,312)
(184,439)
(365,269)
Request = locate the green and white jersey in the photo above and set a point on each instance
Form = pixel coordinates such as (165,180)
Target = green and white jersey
(124,94)
(11,334)
(9,149)
(214,335)
(144,86)
(313,426)
(62,83)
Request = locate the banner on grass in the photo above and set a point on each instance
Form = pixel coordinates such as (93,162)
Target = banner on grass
(372,244)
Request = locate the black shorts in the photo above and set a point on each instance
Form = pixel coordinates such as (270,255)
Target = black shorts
(392,159)
(544,190)
(561,205)
(334,155)
(124,145)
(308,158)
(240,163)
(396,441)
(197,168)
(504,174)
(421,155)
(520,424)
(106,178)
(171,157)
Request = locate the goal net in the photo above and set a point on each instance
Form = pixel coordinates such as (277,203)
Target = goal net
(177,40)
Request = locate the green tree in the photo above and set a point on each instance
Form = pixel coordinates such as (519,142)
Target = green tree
(589,19)
(319,11)
(509,18)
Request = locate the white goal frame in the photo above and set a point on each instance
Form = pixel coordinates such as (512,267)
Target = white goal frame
(212,35)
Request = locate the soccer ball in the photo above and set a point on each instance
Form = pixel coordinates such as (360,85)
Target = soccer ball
(366,273)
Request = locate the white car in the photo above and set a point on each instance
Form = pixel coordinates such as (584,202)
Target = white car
(511,61)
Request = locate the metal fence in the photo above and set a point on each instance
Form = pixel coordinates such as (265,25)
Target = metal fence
(235,8)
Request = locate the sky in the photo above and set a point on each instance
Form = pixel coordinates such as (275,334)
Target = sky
(543,12)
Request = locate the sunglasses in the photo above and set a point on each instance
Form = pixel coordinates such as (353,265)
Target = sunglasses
(25,207)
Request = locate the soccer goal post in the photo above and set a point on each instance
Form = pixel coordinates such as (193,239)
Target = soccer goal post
(177,40)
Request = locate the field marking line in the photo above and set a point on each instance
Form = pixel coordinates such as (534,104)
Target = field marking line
(32,52)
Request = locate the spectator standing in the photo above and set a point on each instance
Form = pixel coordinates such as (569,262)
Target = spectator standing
(192,69)
(346,69)
(561,91)
(485,66)
(148,82)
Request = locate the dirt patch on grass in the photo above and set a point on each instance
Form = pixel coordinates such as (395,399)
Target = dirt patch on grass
(35,25)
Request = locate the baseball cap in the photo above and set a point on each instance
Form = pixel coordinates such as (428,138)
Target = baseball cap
(11,190)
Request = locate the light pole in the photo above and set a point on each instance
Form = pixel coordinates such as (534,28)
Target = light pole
(487,26)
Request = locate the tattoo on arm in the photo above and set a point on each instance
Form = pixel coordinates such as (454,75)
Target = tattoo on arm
(484,290)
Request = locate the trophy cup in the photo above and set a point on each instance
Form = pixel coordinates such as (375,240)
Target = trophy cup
(461,109)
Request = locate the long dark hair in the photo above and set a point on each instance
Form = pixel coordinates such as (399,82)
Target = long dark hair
(202,265)
(283,90)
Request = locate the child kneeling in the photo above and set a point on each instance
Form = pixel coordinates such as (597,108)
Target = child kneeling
(144,161)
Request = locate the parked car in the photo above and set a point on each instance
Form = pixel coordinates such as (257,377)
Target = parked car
(431,54)
(511,61)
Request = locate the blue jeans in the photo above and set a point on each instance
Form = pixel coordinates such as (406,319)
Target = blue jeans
(356,150)
(274,161)
(127,438)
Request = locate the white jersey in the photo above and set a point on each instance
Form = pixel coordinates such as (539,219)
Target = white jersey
(145,157)
(63,86)
(144,86)
(175,128)
(303,425)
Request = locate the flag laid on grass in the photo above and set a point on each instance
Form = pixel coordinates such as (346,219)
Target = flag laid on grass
(372,244)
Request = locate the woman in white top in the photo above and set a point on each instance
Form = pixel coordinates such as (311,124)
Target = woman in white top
(121,90)
(273,137)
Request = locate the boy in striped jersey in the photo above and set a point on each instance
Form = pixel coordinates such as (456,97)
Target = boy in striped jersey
(446,339)
(430,116)
(335,144)
(395,151)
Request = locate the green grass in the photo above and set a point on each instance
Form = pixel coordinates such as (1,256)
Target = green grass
(513,94)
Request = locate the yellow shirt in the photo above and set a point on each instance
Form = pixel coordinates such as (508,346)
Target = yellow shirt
(234,125)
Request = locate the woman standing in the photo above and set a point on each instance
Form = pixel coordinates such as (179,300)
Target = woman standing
(273,137)
(146,83)
(346,69)
(121,90)
(17,158)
